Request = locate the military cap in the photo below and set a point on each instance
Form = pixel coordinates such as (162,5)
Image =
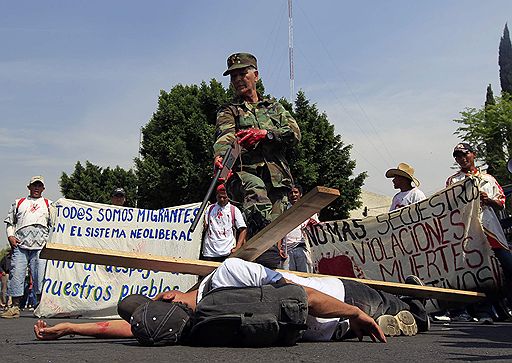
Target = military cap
(240,60)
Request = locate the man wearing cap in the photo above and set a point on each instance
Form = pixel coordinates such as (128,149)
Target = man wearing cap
(222,222)
(492,198)
(28,225)
(265,130)
(118,197)
(403,177)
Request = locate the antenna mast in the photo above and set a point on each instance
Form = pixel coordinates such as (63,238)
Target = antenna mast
(290,50)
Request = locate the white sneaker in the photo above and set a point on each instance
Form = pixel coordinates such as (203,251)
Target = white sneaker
(389,325)
(402,323)
(407,323)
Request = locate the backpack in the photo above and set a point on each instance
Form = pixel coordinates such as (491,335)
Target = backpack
(250,316)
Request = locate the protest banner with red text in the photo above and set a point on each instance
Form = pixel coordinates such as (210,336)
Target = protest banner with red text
(439,239)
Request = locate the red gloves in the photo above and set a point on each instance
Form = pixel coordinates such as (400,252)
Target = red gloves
(217,165)
(250,137)
(224,180)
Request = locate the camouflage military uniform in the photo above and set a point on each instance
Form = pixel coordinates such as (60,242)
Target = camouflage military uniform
(262,179)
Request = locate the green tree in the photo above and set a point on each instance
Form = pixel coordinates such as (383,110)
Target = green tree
(489,129)
(175,166)
(95,184)
(494,139)
(489,96)
(505,62)
(322,158)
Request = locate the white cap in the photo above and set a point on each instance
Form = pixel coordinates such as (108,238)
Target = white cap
(36,178)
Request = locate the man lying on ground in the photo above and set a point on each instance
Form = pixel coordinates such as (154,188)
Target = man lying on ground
(333,306)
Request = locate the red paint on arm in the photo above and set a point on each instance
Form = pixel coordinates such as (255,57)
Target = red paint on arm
(103,326)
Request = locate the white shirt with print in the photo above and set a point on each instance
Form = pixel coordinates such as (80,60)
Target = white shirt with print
(29,222)
(219,238)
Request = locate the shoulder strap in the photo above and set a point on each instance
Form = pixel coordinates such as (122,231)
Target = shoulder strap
(21,200)
(209,212)
(232,215)
(15,216)
(47,204)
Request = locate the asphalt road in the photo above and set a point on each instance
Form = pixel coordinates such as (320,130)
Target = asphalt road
(457,342)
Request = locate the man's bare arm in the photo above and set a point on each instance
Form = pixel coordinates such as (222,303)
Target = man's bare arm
(325,306)
(103,329)
(241,239)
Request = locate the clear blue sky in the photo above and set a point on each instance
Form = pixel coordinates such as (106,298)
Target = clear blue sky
(79,78)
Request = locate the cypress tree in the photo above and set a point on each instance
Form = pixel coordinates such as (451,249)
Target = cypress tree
(505,62)
(493,139)
(489,96)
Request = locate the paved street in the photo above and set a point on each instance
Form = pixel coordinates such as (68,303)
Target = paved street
(458,342)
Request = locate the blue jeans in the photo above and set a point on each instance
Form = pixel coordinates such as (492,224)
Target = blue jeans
(297,260)
(21,259)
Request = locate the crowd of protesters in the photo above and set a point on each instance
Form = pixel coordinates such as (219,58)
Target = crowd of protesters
(254,194)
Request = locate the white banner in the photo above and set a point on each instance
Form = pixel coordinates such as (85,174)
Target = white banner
(90,290)
(440,239)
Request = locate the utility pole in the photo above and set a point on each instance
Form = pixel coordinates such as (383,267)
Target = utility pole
(290,50)
(137,186)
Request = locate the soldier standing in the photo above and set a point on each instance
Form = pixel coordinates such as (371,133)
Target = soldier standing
(264,129)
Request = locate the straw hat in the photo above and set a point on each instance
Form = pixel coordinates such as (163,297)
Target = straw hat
(404,170)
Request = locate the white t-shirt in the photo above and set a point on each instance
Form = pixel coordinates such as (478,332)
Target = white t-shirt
(219,238)
(296,236)
(402,199)
(235,272)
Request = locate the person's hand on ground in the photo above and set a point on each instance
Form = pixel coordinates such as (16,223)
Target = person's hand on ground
(364,325)
(43,331)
